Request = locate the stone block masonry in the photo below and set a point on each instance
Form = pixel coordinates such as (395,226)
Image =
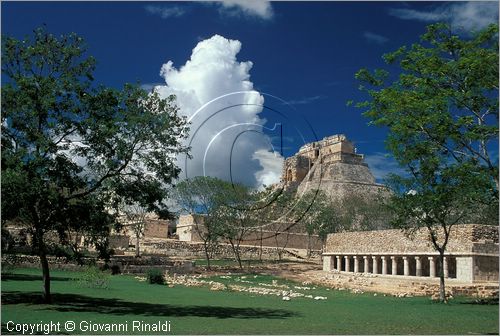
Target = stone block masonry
(333,166)
(471,255)
(399,286)
(180,249)
(279,235)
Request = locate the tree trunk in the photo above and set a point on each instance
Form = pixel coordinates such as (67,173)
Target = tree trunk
(261,243)
(236,253)
(47,298)
(309,247)
(42,254)
(442,293)
(238,256)
(207,256)
(137,247)
(277,247)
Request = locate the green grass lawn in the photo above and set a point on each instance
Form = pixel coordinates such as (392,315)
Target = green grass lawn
(197,310)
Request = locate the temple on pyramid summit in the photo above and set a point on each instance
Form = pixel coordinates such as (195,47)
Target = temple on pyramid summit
(331,165)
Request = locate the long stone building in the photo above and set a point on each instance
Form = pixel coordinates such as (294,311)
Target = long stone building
(282,235)
(471,255)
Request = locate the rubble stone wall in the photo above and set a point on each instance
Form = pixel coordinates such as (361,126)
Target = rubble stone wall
(486,268)
(273,235)
(180,249)
(156,228)
(463,238)
(119,241)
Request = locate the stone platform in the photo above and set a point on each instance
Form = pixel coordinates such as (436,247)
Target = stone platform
(399,286)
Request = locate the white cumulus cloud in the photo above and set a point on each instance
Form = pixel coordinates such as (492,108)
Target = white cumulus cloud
(471,15)
(271,163)
(258,8)
(214,91)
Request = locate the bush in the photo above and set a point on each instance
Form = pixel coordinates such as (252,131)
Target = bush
(115,269)
(7,269)
(7,241)
(93,277)
(155,276)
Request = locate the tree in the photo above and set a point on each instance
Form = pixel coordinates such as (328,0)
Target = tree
(135,220)
(71,150)
(318,214)
(238,216)
(442,116)
(273,211)
(437,198)
(364,212)
(202,196)
(445,98)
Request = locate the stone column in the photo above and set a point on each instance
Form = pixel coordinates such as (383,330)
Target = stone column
(339,264)
(406,266)
(384,265)
(394,265)
(367,267)
(327,263)
(445,267)
(375,265)
(356,264)
(418,266)
(432,267)
(347,263)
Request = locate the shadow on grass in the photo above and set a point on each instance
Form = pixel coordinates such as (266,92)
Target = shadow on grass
(5,331)
(29,277)
(485,301)
(79,303)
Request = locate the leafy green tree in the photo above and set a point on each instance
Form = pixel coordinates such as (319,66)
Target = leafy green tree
(442,116)
(202,196)
(71,150)
(437,197)
(318,214)
(134,217)
(238,216)
(445,98)
(364,211)
(273,212)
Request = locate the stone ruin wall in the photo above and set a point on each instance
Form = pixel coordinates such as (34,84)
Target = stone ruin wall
(279,234)
(471,253)
(463,239)
(295,168)
(119,241)
(338,191)
(332,148)
(180,249)
(156,228)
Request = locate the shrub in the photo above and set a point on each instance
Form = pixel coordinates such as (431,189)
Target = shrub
(93,277)
(115,269)
(155,276)
(7,269)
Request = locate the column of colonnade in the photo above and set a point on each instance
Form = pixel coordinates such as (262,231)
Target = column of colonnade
(380,264)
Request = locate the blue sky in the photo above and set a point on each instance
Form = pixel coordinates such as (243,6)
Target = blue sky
(304,53)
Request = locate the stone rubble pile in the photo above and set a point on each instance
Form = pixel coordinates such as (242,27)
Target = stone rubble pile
(273,289)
